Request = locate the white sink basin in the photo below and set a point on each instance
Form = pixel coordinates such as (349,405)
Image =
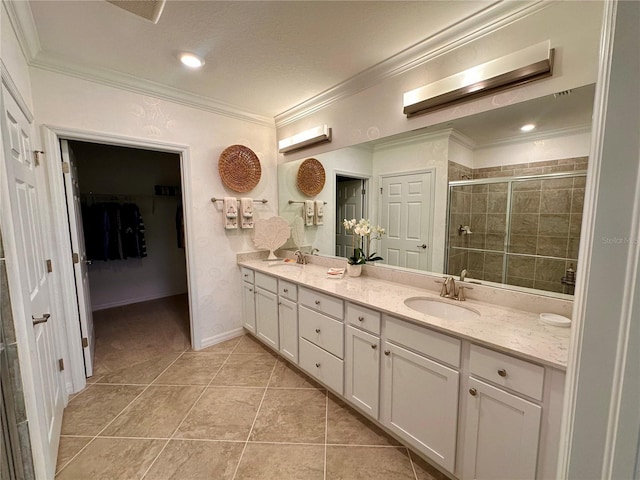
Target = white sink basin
(287,266)
(441,309)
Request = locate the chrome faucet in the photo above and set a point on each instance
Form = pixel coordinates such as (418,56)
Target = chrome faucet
(463,274)
(300,257)
(451,290)
(314,251)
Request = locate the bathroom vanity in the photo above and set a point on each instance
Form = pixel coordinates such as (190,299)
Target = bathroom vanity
(479,396)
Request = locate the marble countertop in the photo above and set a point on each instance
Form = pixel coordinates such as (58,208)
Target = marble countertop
(509,330)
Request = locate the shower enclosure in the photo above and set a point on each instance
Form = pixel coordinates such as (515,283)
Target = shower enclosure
(521,231)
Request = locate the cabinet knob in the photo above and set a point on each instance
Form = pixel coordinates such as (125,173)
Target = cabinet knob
(318,365)
(473,392)
(286,290)
(387,352)
(374,346)
(361,319)
(251,289)
(246,275)
(317,330)
(317,302)
(279,303)
(502,372)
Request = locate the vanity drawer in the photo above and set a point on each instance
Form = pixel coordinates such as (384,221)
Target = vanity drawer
(321,330)
(266,282)
(246,274)
(363,317)
(288,290)
(322,365)
(518,375)
(433,344)
(322,302)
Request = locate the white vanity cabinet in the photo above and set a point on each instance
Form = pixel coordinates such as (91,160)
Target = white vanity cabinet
(502,429)
(362,358)
(288,319)
(248,300)
(419,391)
(267,309)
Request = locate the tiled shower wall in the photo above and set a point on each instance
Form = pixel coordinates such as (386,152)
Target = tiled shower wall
(546,215)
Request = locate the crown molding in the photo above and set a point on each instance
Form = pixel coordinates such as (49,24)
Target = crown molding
(461,139)
(14,91)
(24,26)
(497,15)
(534,137)
(445,133)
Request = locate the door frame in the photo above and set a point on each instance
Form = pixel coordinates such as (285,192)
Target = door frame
(51,136)
(366,200)
(432,172)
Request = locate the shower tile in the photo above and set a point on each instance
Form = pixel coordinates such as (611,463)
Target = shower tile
(476,261)
(573,247)
(527,171)
(524,223)
(577,200)
(498,187)
(494,241)
(526,185)
(479,189)
(523,244)
(549,286)
(496,223)
(477,240)
(520,282)
(522,267)
(575,224)
(555,201)
(492,277)
(479,203)
(549,270)
(554,225)
(557,183)
(501,173)
(580,182)
(497,202)
(525,202)
(493,263)
(552,246)
(555,169)
(478,223)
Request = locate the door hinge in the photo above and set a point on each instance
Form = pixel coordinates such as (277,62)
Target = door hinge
(49,266)
(76,258)
(85,342)
(65,167)
(364,192)
(61,364)
(380,190)
(37,157)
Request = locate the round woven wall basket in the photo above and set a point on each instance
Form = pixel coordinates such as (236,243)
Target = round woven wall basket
(311,177)
(239,168)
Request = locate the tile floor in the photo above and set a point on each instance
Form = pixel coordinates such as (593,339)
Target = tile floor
(231,411)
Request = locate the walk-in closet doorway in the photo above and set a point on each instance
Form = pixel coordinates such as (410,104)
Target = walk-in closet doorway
(127,289)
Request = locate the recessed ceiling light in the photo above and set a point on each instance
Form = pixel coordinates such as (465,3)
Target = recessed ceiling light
(528,127)
(191,60)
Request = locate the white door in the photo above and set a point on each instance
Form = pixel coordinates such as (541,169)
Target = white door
(80,268)
(406,213)
(349,204)
(27,192)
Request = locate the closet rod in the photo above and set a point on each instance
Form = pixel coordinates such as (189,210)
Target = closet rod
(264,200)
(293,201)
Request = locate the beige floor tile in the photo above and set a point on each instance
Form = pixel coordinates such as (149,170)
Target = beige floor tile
(156,413)
(141,373)
(195,460)
(295,416)
(93,409)
(112,459)
(223,347)
(69,447)
(286,376)
(345,426)
(365,463)
(282,462)
(424,471)
(222,413)
(248,344)
(192,369)
(245,371)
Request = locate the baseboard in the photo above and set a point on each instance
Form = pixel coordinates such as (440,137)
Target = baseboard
(221,337)
(129,301)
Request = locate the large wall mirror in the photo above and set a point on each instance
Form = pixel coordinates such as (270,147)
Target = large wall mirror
(476,194)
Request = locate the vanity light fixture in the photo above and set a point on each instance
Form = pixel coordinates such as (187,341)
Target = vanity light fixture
(191,60)
(528,127)
(524,66)
(304,139)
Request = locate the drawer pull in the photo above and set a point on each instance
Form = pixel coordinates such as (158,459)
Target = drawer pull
(374,346)
(361,319)
(317,330)
(473,392)
(387,352)
(286,290)
(318,365)
(317,302)
(502,372)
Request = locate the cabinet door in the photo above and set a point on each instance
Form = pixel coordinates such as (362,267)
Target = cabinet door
(288,324)
(248,307)
(362,370)
(501,435)
(420,403)
(267,317)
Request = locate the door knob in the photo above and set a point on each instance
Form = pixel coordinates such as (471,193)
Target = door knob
(89,262)
(424,245)
(42,319)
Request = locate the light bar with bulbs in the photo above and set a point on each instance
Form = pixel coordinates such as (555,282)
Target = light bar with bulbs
(524,66)
(304,139)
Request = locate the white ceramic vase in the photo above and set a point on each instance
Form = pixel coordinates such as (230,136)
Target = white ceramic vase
(354,270)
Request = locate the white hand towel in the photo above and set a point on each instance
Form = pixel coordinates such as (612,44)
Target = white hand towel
(319,212)
(308,212)
(230,205)
(246,206)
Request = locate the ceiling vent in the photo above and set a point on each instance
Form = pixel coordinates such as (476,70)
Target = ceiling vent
(147,9)
(518,68)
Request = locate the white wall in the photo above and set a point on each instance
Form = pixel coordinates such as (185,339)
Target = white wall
(133,172)
(74,103)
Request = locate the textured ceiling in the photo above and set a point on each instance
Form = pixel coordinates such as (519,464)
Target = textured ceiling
(263,57)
